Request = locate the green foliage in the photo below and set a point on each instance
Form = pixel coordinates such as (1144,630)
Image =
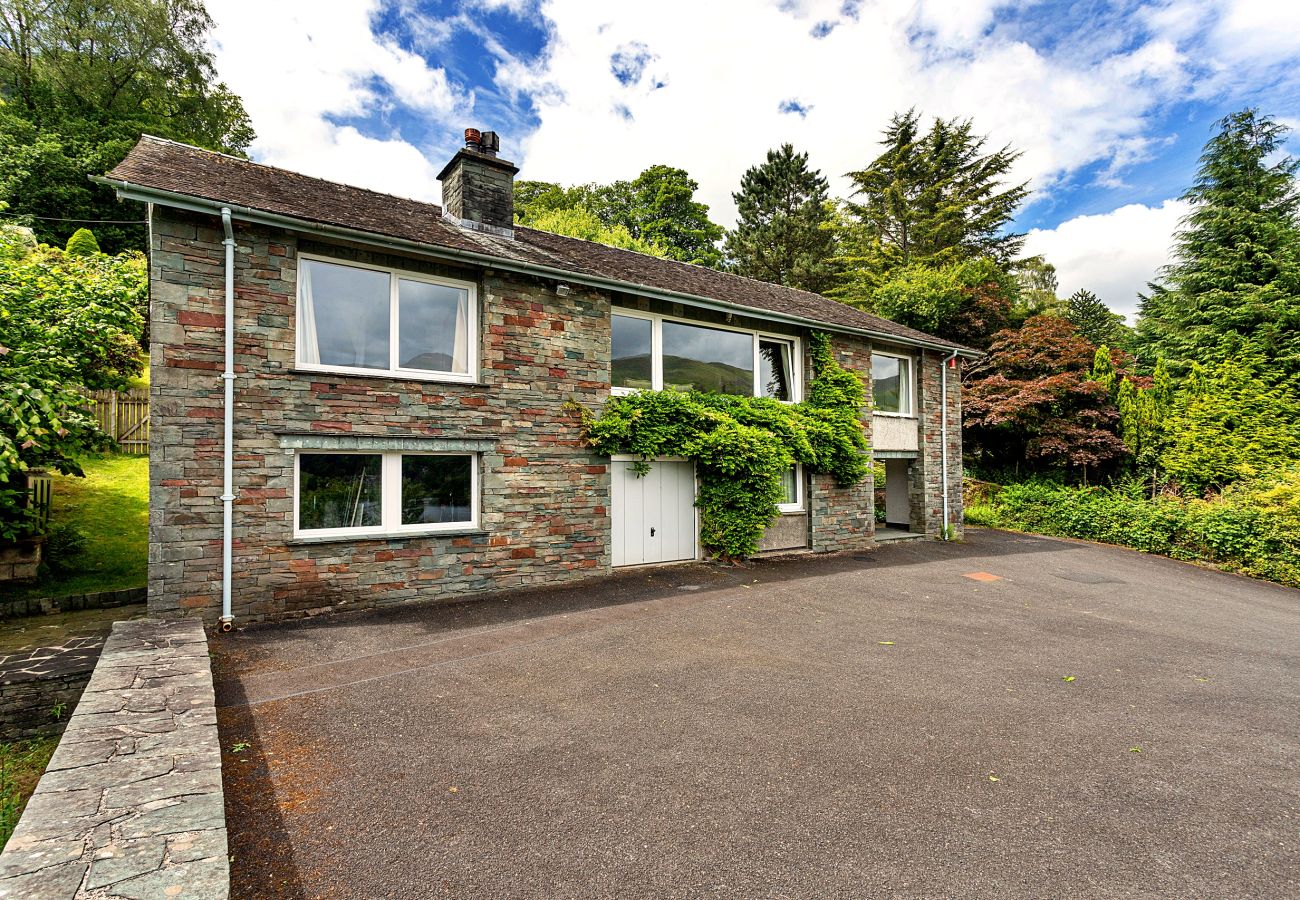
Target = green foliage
(1096,323)
(1253,527)
(741,446)
(931,199)
(579,222)
(657,209)
(21,765)
(1233,289)
(1037,283)
(783,230)
(1227,424)
(967,301)
(80,82)
(79,318)
(65,321)
(82,243)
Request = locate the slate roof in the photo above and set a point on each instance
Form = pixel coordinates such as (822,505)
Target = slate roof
(162,165)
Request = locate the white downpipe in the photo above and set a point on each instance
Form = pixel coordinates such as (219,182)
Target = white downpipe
(228,447)
(943,436)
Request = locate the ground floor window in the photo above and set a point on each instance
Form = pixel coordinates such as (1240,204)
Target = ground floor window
(792,483)
(353,494)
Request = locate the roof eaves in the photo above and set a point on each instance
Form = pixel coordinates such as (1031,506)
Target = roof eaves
(192,203)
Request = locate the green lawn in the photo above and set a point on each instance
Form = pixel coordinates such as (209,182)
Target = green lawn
(110,506)
(21,765)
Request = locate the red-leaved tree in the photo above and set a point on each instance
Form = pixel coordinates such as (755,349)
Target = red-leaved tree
(1032,404)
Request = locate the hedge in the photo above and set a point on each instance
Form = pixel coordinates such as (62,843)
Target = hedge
(1252,528)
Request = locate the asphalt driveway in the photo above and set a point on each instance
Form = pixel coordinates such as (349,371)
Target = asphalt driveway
(1092,723)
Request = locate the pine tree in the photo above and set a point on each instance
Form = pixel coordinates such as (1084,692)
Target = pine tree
(1095,321)
(932,198)
(783,232)
(1233,289)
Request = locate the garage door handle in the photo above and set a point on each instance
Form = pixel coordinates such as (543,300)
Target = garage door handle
(652,532)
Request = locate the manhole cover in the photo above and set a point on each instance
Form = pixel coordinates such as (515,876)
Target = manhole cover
(1088,578)
(982,576)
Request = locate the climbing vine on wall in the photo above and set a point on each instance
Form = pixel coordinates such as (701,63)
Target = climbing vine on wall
(741,446)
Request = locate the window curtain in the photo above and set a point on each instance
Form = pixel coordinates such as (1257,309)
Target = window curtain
(308,342)
(460,347)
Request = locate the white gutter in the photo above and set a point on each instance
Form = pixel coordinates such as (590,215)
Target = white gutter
(943,435)
(228,446)
(128,191)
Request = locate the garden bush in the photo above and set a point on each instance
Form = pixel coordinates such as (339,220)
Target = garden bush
(1252,527)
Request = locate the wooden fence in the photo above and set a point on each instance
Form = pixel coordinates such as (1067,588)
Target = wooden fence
(125,416)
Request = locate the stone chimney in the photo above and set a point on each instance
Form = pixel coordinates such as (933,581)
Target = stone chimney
(478,188)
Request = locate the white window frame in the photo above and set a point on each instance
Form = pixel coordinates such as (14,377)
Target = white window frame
(395,276)
(911,386)
(798,505)
(657,351)
(390,480)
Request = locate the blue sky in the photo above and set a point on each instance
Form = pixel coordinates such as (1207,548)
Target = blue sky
(1110,102)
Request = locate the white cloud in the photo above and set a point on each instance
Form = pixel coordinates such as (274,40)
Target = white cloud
(714,79)
(726,77)
(1114,254)
(297,63)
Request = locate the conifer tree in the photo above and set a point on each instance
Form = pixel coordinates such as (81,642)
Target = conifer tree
(82,243)
(1233,289)
(783,232)
(933,199)
(1093,318)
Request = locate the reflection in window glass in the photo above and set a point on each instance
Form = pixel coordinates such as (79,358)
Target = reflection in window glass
(630,344)
(790,483)
(432,327)
(707,359)
(436,489)
(343,315)
(774,368)
(891,384)
(339,490)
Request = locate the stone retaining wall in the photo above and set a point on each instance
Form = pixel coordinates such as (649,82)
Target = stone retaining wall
(39,688)
(131,804)
(42,606)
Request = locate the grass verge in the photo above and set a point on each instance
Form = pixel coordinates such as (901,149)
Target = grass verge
(110,508)
(21,766)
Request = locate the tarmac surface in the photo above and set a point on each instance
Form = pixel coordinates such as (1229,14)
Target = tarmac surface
(1074,720)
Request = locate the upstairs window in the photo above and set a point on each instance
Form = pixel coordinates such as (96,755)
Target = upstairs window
(891,384)
(650,352)
(365,319)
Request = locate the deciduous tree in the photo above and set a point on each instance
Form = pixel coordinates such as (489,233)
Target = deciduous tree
(1032,403)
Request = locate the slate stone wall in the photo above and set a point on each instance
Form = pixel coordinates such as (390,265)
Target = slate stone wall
(926,486)
(844,518)
(544,495)
(481,189)
(131,804)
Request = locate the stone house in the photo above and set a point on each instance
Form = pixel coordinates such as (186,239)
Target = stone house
(359,399)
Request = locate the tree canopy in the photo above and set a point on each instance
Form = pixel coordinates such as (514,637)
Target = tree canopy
(1233,288)
(783,233)
(80,80)
(935,198)
(657,208)
(1095,320)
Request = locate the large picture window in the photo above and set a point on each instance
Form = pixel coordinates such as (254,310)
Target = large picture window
(355,494)
(380,321)
(650,352)
(891,384)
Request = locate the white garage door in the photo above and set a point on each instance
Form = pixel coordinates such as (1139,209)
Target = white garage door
(653,517)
